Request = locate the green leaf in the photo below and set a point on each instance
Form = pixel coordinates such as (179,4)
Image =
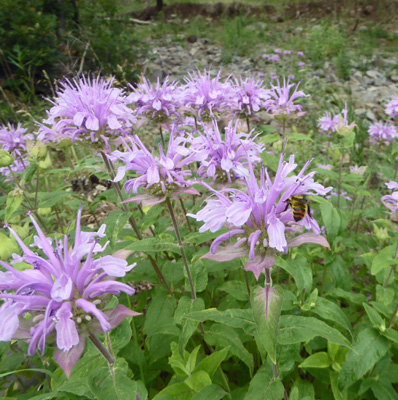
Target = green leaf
(270,160)
(115,222)
(332,312)
(384,258)
(331,220)
(338,395)
(375,318)
(222,336)
(154,245)
(266,305)
(198,380)
(297,329)
(121,335)
(383,390)
(236,289)
(317,360)
(13,202)
(17,371)
(159,317)
(177,362)
(199,275)
(264,387)
(275,137)
(185,307)
(51,199)
(180,391)
(391,334)
(353,298)
(297,137)
(369,348)
(199,238)
(212,362)
(211,392)
(235,318)
(103,387)
(299,269)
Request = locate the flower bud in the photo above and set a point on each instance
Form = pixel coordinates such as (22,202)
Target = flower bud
(380,233)
(65,143)
(6,159)
(46,162)
(38,151)
(43,212)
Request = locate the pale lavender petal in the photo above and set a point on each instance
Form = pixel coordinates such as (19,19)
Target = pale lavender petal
(67,335)
(113,266)
(226,253)
(90,308)
(62,288)
(9,320)
(259,263)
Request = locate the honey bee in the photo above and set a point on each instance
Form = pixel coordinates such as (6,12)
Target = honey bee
(300,207)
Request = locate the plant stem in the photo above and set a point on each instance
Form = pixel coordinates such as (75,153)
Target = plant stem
(392,267)
(185,214)
(339,181)
(161,137)
(102,349)
(392,317)
(247,283)
(248,124)
(134,225)
(108,357)
(180,244)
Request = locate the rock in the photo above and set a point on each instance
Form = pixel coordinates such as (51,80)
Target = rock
(360,112)
(363,28)
(394,78)
(155,72)
(257,27)
(371,116)
(192,39)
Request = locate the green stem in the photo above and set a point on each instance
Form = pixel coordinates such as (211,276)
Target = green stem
(392,317)
(134,225)
(180,244)
(162,138)
(339,181)
(392,267)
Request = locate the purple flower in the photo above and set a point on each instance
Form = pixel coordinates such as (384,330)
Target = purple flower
(250,96)
(18,165)
(63,292)
(325,166)
(282,101)
(161,175)
(391,200)
(88,108)
(382,132)
(160,102)
(13,139)
(204,96)
(275,58)
(327,123)
(301,65)
(287,52)
(274,76)
(266,57)
(224,157)
(260,218)
(392,107)
(300,54)
(358,170)
(277,51)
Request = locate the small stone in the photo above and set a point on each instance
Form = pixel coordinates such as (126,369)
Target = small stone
(363,28)
(360,112)
(371,115)
(192,39)
(394,78)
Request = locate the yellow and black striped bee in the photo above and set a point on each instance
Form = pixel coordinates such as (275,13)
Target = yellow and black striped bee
(300,207)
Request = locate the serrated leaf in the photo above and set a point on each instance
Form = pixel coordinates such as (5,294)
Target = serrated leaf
(391,334)
(154,245)
(299,269)
(297,329)
(266,305)
(198,380)
(235,318)
(297,137)
(199,276)
(46,200)
(202,237)
(369,348)
(115,222)
(180,391)
(236,289)
(121,335)
(263,386)
(317,360)
(275,137)
(212,362)
(330,311)
(222,336)
(375,318)
(211,392)
(383,259)
(331,220)
(13,202)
